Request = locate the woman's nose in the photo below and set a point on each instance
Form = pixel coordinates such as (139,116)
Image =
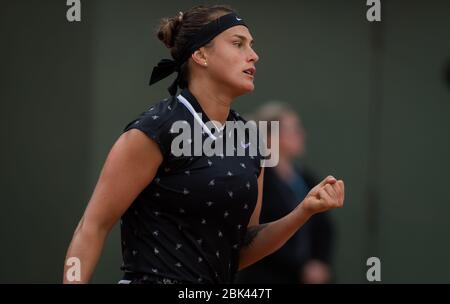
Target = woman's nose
(253,56)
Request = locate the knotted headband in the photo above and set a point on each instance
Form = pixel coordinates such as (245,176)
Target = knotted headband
(207,33)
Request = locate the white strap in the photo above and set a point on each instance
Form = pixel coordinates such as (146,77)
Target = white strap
(188,105)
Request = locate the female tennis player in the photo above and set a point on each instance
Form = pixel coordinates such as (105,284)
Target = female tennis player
(190,218)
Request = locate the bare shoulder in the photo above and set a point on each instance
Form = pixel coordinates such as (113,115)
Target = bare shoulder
(130,166)
(137,139)
(134,146)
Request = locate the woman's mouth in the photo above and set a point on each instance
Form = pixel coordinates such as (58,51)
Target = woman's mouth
(251,72)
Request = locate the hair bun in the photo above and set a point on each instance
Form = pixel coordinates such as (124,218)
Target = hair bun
(169,28)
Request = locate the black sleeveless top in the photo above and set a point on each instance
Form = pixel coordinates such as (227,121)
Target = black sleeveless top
(189,222)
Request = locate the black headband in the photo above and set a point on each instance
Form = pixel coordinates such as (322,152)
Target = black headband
(207,33)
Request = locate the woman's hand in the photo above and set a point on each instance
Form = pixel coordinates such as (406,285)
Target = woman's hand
(328,194)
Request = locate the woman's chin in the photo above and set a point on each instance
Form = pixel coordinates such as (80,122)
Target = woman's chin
(243,88)
(248,87)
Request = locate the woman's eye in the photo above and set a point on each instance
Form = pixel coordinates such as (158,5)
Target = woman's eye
(237,43)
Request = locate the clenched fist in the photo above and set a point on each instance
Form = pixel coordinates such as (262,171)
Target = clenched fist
(328,194)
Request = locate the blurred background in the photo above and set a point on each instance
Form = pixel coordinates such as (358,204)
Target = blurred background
(374,98)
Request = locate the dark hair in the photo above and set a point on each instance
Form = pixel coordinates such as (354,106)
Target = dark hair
(177,31)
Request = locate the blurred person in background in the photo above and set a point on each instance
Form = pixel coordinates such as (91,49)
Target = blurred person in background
(306,257)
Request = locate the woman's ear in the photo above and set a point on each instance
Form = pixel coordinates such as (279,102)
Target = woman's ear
(199,57)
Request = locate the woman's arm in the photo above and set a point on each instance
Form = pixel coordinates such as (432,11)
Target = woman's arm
(262,240)
(130,166)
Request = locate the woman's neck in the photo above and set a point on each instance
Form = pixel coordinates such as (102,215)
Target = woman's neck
(214,103)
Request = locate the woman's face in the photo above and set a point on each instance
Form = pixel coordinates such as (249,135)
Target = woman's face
(231,60)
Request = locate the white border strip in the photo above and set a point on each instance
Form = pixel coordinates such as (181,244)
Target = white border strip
(188,105)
